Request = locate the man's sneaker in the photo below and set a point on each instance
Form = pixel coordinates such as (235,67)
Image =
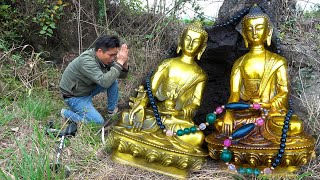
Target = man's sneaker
(62,113)
(115,111)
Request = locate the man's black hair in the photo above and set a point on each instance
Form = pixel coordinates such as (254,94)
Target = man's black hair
(106,42)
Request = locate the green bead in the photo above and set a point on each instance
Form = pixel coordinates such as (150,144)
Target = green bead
(180,132)
(242,170)
(249,171)
(186,131)
(211,117)
(226,155)
(256,172)
(193,129)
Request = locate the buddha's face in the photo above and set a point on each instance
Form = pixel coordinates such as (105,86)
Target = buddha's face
(256,30)
(191,43)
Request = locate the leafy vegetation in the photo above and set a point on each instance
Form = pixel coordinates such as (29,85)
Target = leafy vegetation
(48,18)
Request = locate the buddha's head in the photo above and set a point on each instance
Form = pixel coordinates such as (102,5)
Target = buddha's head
(193,40)
(256,27)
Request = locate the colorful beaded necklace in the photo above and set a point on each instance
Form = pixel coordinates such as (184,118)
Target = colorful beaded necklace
(241,132)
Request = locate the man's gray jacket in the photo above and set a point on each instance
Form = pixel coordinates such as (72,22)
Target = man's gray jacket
(85,72)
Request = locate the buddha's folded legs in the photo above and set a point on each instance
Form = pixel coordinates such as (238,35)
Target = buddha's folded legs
(272,130)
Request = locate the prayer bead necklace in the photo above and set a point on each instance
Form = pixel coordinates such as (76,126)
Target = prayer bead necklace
(226,154)
(241,132)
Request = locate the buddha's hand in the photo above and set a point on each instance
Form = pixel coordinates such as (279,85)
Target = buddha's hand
(227,124)
(172,112)
(136,117)
(265,105)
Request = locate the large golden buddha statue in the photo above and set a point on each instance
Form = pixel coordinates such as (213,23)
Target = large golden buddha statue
(158,133)
(258,128)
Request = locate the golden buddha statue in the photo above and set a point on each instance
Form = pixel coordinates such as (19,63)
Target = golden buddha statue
(158,133)
(271,134)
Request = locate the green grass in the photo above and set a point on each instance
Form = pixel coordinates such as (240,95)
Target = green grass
(32,160)
(5,116)
(37,106)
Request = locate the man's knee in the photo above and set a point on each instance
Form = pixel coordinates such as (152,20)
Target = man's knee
(94,117)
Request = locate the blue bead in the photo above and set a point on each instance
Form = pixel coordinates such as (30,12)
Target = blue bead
(154,106)
(286,122)
(284,130)
(278,51)
(156,114)
(152,103)
(282,145)
(226,155)
(159,123)
(237,106)
(283,140)
(287,118)
(284,136)
(235,18)
(158,119)
(291,111)
(249,171)
(285,126)
(242,170)
(227,22)
(256,172)
(281,150)
(279,156)
(277,160)
(274,165)
(162,127)
(238,16)
(243,131)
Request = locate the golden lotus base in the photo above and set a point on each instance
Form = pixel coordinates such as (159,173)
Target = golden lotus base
(138,153)
(261,152)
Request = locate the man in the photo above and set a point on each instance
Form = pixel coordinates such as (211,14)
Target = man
(95,70)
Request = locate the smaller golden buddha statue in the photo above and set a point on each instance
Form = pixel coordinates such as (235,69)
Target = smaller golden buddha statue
(158,133)
(258,127)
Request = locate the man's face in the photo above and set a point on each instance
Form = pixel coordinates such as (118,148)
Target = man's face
(191,43)
(256,30)
(108,56)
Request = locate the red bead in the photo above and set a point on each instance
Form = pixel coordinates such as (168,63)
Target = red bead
(219,110)
(256,106)
(259,121)
(227,143)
